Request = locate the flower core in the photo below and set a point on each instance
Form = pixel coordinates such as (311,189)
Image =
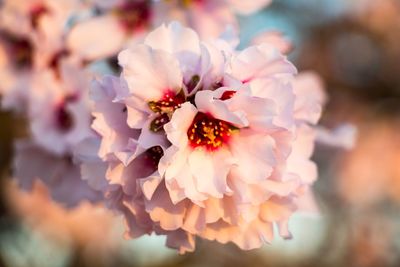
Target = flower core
(209,132)
(20,49)
(64,119)
(134,15)
(165,107)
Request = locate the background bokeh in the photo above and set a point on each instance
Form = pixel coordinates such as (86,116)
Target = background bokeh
(355,46)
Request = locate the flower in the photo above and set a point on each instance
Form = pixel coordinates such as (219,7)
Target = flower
(31,37)
(197,139)
(209,18)
(59,113)
(275,38)
(58,173)
(128,21)
(125,20)
(48,84)
(91,227)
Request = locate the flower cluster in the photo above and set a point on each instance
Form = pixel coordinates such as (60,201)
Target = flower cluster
(47,84)
(128,21)
(199,139)
(189,137)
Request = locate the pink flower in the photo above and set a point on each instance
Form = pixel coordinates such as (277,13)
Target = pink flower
(275,38)
(16,59)
(125,20)
(59,119)
(49,83)
(209,18)
(59,173)
(198,139)
(31,37)
(91,227)
(128,21)
(59,113)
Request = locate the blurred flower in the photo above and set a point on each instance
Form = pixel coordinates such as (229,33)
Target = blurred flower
(120,21)
(209,18)
(16,59)
(366,175)
(31,37)
(372,240)
(59,174)
(49,83)
(179,151)
(276,38)
(88,227)
(59,113)
(128,21)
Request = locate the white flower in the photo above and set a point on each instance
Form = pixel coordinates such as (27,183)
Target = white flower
(197,139)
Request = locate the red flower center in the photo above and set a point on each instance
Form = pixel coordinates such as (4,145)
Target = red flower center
(64,119)
(19,49)
(134,15)
(165,107)
(209,132)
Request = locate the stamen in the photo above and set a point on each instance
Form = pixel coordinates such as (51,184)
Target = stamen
(205,132)
(165,107)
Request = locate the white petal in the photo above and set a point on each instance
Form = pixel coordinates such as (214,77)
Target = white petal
(150,73)
(90,43)
(180,122)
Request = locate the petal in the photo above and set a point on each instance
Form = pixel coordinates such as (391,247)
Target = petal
(248,7)
(180,122)
(263,61)
(277,210)
(162,210)
(149,185)
(183,43)
(210,171)
(207,103)
(194,220)
(150,73)
(90,43)
(310,97)
(181,240)
(274,38)
(254,155)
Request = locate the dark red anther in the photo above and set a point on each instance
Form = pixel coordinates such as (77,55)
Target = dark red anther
(227,95)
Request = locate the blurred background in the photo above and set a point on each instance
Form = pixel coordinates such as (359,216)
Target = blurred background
(355,46)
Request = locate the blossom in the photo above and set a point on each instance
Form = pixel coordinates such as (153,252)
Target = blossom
(275,38)
(90,226)
(197,139)
(31,37)
(26,18)
(59,113)
(209,18)
(59,118)
(16,56)
(48,83)
(125,20)
(58,173)
(128,21)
